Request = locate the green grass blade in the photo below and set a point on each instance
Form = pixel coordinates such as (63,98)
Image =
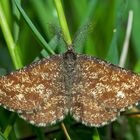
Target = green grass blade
(96,135)
(52,43)
(9,127)
(135,6)
(45,14)
(16,25)
(113,55)
(62,21)
(2,137)
(33,28)
(9,39)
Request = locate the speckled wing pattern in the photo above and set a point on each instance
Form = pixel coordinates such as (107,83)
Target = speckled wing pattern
(54,107)
(52,111)
(92,90)
(37,90)
(103,91)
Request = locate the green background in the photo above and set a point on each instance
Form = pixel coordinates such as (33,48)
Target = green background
(100,41)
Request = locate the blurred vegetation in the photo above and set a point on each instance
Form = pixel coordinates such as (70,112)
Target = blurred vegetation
(102,42)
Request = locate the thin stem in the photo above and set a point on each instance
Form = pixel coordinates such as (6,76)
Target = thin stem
(96,134)
(65,131)
(127,38)
(62,21)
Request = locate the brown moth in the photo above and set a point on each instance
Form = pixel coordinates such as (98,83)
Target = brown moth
(93,91)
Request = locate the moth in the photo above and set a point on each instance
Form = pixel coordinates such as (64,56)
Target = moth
(92,90)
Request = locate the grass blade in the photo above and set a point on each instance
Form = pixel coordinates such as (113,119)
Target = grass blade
(33,28)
